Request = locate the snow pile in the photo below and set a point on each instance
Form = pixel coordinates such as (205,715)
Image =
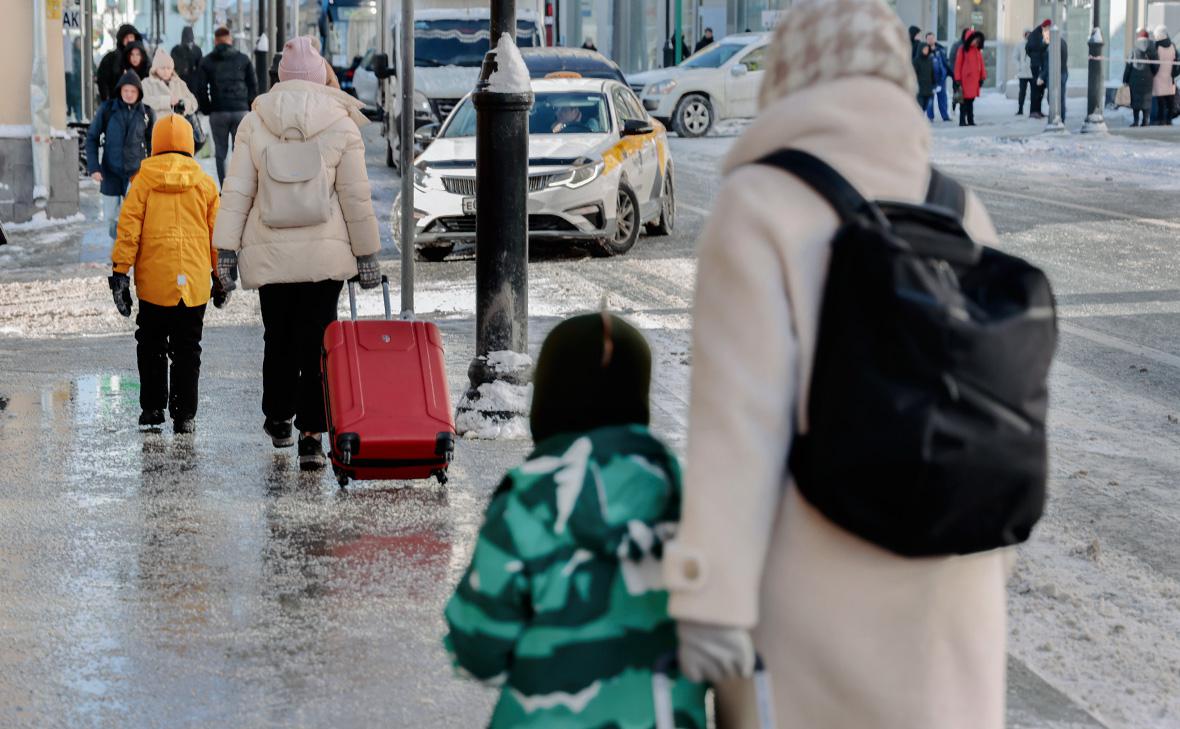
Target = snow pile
(508,362)
(496,411)
(511,75)
(41,221)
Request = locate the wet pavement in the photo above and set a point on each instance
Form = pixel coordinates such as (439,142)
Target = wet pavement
(160,580)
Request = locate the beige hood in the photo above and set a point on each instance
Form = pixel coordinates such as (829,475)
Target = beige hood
(307,107)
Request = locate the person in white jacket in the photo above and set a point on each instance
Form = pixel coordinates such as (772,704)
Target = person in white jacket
(298,269)
(1024,75)
(164,91)
(853,636)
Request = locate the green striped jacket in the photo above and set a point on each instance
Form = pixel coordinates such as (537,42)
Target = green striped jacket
(563,604)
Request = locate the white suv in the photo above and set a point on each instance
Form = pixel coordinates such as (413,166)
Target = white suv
(720,82)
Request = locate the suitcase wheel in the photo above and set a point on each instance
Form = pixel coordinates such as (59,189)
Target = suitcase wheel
(441,476)
(341,477)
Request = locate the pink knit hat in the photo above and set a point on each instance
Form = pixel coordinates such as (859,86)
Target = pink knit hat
(301,62)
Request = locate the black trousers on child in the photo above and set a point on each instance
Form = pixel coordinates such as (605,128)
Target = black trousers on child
(169,333)
(294,316)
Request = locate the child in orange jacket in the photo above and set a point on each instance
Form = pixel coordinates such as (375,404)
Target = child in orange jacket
(165,233)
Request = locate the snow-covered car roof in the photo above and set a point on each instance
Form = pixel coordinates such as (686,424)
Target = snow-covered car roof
(542,61)
(546,85)
(745,39)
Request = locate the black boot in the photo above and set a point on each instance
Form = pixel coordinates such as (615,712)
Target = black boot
(311,453)
(151,418)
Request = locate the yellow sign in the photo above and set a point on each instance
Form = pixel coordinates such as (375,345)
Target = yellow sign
(53,9)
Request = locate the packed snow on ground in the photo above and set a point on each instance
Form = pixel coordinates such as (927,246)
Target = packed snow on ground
(499,413)
(507,362)
(41,221)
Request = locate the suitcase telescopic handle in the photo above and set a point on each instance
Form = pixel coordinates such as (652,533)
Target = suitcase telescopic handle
(661,679)
(384,292)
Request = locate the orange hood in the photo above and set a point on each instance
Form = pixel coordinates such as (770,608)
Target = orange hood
(171,172)
(173,134)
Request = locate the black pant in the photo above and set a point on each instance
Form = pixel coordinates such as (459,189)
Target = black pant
(1038,94)
(924,101)
(295,316)
(1024,84)
(967,113)
(169,332)
(224,124)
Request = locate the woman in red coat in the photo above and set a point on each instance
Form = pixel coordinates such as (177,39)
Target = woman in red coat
(970,73)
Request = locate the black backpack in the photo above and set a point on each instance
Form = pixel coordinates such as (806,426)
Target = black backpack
(929,389)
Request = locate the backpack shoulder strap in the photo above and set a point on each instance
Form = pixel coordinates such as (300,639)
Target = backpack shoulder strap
(820,177)
(944,192)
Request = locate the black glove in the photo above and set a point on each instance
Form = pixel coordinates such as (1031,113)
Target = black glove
(121,292)
(220,295)
(227,270)
(368,271)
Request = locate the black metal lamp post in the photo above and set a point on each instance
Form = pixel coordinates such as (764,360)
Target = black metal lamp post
(1096,93)
(502,101)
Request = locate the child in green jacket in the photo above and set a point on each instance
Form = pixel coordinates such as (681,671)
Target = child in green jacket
(563,605)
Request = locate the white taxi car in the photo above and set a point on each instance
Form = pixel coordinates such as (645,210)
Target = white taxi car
(599,170)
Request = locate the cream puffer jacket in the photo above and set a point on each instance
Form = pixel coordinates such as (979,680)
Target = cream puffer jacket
(853,636)
(158,94)
(316,253)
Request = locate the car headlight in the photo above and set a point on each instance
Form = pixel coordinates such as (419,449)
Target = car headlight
(581,174)
(661,88)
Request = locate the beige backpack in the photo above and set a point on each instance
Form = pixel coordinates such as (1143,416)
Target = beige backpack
(293,185)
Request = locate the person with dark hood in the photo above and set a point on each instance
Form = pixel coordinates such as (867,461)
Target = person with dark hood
(916,41)
(1139,76)
(225,89)
(953,57)
(970,72)
(187,57)
(564,596)
(705,41)
(122,127)
(1037,49)
(135,58)
(924,69)
(1163,88)
(110,68)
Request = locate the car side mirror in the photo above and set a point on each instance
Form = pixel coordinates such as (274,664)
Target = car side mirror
(380,66)
(637,127)
(426,135)
(740,69)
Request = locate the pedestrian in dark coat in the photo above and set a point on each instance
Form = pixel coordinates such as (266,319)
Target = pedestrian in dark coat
(705,41)
(1138,75)
(110,68)
(135,58)
(225,89)
(970,72)
(1037,49)
(954,57)
(924,68)
(1044,79)
(916,42)
(122,126)
(187,57)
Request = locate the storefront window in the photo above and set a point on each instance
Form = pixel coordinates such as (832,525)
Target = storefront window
(754,15)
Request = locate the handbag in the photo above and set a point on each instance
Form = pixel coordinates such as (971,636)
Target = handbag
(292,185)
(199,135)
(1122,97)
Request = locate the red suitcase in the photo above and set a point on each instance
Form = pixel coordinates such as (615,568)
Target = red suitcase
(388,406)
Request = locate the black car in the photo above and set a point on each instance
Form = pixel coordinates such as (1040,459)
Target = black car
(544,62)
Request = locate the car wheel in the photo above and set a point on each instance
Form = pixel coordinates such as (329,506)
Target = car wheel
(627,224)
(435,254)
(667,220)
(693,116)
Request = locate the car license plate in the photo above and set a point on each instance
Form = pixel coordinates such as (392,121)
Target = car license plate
(469,206)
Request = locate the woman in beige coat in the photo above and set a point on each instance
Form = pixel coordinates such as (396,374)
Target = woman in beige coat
(854,637)
(163,90)
(298,271)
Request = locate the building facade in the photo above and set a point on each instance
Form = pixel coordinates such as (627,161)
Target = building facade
(22,194)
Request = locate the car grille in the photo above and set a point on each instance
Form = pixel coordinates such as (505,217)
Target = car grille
(537,223)
(466,185)
(460,185)
(443,107)
(638,89)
